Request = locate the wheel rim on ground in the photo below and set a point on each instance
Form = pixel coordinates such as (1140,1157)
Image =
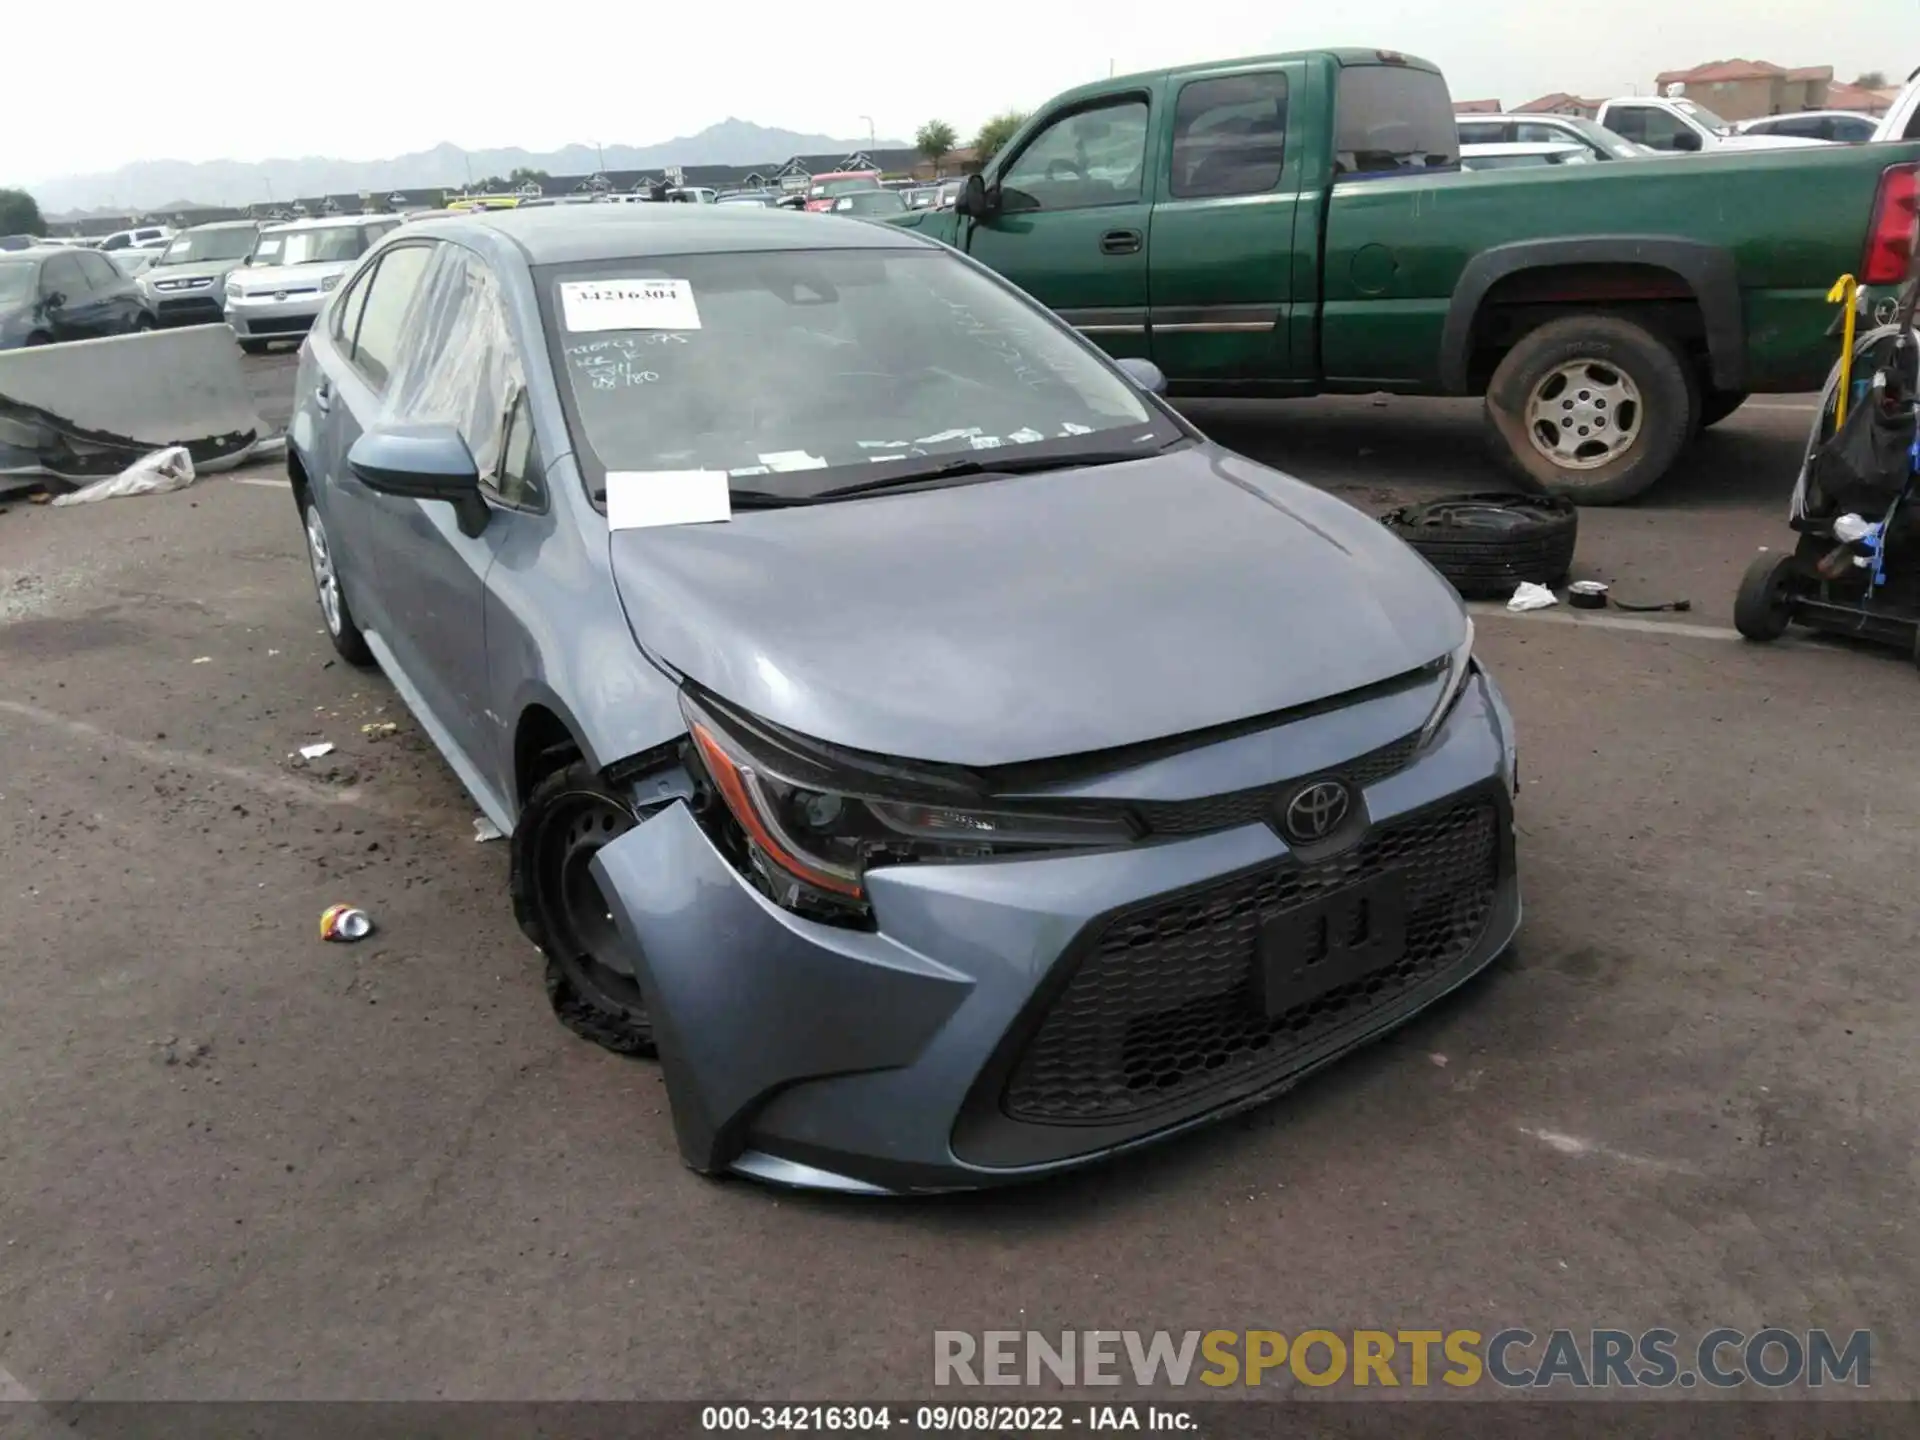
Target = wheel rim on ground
(325,583)
(1584,414)
(574,914)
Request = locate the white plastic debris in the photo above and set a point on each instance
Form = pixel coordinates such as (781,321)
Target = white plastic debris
(1531,597)
(485,830)
(315,752)
(155,474)
(1849,528)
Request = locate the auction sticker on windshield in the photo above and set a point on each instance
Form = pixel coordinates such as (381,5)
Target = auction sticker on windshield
(641,499)
(591,305)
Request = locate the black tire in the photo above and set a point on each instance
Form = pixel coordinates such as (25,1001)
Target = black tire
(142,325)
(1717,405)
(1609,348)
(1487,543)
(39,338)
(569,816)
(254,347)
(1764,607)
(336,614)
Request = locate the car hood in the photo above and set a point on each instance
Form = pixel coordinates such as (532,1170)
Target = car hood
(1038,616)
(292,279)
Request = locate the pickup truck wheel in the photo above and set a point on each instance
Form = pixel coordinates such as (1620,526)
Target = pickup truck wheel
(1717,405)
(1592,408)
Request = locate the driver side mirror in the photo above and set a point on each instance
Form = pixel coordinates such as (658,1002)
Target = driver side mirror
(422,462)
(975,200)
(1686,140)
(1144,373)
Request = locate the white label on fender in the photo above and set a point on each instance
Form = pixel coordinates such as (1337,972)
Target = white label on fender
(640,499)
(629,305)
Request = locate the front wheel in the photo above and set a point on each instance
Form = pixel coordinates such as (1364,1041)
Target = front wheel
(1764,607)
(569,817)
(1593,408)
(142,325)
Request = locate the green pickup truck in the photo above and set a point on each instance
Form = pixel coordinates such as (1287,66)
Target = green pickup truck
(1298,223)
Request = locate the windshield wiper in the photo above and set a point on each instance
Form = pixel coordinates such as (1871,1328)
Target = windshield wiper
(981,463)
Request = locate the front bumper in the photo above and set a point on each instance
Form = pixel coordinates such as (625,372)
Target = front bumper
(264,317)
(198,306)
(1014,1019)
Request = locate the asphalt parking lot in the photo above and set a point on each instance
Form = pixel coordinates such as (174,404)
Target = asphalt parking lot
(240,1163)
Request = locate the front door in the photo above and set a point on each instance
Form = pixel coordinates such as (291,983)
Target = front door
(1072,226)
(71,310)
(1221,263)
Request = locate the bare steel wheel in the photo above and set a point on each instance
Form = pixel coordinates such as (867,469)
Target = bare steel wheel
(1583,414)
(570,817)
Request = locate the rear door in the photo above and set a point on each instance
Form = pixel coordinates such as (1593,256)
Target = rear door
(1221,279)
(118,297)
(1074,213)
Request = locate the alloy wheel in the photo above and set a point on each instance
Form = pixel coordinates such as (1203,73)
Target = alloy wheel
(1584,414)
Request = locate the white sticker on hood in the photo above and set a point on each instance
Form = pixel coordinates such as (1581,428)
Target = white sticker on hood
(1069,428)
(792,460)
(1025,436)
(985,442)
(946,435)
(641,499)
(589,305)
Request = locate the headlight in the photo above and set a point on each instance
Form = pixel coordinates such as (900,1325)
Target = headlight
(812,836)
(1457,667)
(328,283)
(233,289)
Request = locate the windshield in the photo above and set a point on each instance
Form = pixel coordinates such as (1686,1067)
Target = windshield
(844,187)
(1393,117)
(16,280)
(310,247)
(872,202)
(200,245)
(798,371)
(1705,116)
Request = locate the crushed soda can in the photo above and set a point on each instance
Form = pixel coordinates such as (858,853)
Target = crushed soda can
(345,924)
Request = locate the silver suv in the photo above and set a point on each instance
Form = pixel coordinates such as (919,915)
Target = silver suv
(280,289)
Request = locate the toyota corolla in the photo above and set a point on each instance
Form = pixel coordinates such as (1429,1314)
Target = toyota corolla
(951,764)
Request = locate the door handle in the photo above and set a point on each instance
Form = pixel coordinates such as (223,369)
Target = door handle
(323,395)
(1120,242)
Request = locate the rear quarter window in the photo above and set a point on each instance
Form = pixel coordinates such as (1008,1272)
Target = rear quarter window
(1391,118)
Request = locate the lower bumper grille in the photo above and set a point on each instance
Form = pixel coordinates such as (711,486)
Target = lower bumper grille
(279,324)
(201,309)
(1166,1003)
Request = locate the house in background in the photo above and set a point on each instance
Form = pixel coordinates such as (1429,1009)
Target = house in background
(1476,107)
(1749,89)
(1561,103)
(1858,97)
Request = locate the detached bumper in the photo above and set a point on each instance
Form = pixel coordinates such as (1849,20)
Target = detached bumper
(1009,1020)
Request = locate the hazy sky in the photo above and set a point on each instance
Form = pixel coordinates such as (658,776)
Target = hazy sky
(365,79)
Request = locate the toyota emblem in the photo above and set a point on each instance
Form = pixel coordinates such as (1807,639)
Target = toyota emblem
(1316,811)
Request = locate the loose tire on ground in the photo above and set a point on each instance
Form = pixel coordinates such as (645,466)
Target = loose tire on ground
(1486,543)
(1544,392)
(331,594)
(1717,405)
(571,815)
(1761,611)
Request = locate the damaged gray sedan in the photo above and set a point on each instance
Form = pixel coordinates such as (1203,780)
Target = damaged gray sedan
(950,763)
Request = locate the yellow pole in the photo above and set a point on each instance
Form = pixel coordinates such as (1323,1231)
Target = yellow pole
(1845,291)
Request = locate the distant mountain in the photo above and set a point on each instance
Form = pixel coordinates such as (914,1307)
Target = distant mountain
(171,184)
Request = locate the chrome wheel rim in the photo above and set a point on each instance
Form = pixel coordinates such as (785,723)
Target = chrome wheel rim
(325,583)
(1584,414)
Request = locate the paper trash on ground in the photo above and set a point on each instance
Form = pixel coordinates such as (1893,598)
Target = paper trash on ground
(1531,597)
(641,499)
(155,474)
(315,752)
(485,830)
(637,304)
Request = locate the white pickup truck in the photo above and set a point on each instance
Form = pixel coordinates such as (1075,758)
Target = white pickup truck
(1902,122)
(1676,125)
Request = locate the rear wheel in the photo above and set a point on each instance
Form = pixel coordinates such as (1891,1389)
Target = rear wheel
(1764,607)
(1592,407)
(346,636)
(568,819)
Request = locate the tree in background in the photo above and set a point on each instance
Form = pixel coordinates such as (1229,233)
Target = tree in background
(995,133)
(1872,80)
(20,214)
(935,141)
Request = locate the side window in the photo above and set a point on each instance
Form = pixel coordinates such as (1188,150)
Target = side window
(520,482)
(1482,132)
(346,311)
(1661,129)
(1088,158)
(1628,121)
(1854,132)
(99,271)
(1230,135)
(1537,134)
(384,312)
(62,275)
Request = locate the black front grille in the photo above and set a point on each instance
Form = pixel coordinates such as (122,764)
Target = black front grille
(191,307)
(280,325)
(1248,807)
(1165,1003)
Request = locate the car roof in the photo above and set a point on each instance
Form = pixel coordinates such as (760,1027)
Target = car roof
(216,225)
(1814,115)
(317,222)
(1518,147)
(1543,118)
(567,234)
